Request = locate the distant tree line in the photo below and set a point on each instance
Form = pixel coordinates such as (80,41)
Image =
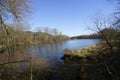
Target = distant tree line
(20,35)
(92,36)
(110,33)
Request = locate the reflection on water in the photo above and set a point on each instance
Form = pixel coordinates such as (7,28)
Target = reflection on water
(56,50)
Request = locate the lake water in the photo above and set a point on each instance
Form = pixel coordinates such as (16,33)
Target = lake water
(56,51)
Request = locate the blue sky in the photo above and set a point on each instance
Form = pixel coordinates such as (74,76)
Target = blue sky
(68,16)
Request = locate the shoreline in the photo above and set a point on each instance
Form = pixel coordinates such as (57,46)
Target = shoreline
(95,53)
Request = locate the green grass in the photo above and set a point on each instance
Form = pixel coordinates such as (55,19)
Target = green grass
(84,52)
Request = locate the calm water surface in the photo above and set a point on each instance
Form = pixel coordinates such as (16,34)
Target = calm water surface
(56,51)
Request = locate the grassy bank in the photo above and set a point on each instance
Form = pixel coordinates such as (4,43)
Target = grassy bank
(92,53)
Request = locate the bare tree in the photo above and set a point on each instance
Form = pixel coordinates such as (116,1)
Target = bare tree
(13,8)
(12,11)
(99,25)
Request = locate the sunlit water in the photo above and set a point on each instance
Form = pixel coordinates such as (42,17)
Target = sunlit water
(56,50)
